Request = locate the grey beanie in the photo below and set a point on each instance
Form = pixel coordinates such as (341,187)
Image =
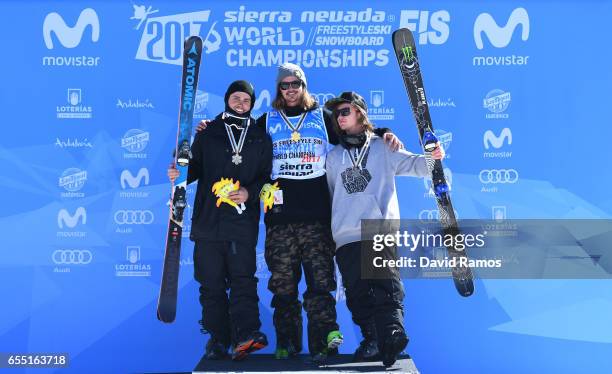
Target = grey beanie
(290,70)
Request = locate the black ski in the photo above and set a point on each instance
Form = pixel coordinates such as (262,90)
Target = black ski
(405,51)
(166,305)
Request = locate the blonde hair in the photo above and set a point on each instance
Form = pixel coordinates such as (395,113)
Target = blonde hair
(307,102)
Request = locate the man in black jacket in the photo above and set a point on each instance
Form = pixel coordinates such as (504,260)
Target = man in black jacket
(231,160)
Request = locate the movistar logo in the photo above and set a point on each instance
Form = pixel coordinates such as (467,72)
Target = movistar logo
(128,179)
(70,37)
(500,36)
(490,139)
(66,219)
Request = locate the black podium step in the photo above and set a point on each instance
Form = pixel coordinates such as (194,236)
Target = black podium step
(266,363)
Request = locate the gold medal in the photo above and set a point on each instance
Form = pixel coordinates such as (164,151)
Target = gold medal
(295,136)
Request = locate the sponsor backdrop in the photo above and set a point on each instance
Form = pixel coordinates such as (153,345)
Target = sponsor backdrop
(89,95)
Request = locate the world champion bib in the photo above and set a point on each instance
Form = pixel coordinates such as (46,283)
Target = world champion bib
(303,158)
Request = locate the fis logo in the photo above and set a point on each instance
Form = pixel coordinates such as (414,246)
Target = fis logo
(420,21)
(490,139)
(498,36)
(70,37)
(66,219)
(160,35)
(134,182)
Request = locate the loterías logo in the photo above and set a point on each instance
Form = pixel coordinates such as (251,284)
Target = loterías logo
(70,37)
(500,36)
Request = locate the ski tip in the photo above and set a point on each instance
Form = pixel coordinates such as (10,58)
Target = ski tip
(466,288)
(166,318)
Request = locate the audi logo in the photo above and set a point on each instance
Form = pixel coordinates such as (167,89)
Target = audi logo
(431,215)
(322,98)
(71,257)
(495,176)
(133,217)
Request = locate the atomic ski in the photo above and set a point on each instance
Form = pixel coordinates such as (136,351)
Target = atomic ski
(405,51)
(166,306)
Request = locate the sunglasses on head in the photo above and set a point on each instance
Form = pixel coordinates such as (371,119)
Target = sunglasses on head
(293,84)
(344,112)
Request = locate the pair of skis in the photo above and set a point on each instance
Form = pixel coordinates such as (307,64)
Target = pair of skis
(166,306)
(405,51)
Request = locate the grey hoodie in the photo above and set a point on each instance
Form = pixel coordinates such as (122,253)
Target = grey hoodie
(368,193)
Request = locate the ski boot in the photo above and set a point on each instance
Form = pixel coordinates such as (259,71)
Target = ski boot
(368,348)
(253,342)
(394,345)
(215,349)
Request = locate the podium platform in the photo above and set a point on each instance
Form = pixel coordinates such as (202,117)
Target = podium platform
(266,363)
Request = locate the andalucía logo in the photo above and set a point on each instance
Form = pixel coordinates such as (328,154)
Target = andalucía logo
(72,143)
(75,107)
(135,104)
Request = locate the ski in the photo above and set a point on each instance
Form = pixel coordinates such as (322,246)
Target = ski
(166,305)
(405,51)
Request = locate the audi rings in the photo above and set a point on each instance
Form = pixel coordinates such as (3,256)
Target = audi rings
(72,256)
(322,98)
(133,217)
(429,215)
(432,215)
(495,176)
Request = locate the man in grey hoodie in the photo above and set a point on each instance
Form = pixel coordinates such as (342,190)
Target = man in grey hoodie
(360,176)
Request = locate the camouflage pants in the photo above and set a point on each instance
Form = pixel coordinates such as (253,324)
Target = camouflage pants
(289,249)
